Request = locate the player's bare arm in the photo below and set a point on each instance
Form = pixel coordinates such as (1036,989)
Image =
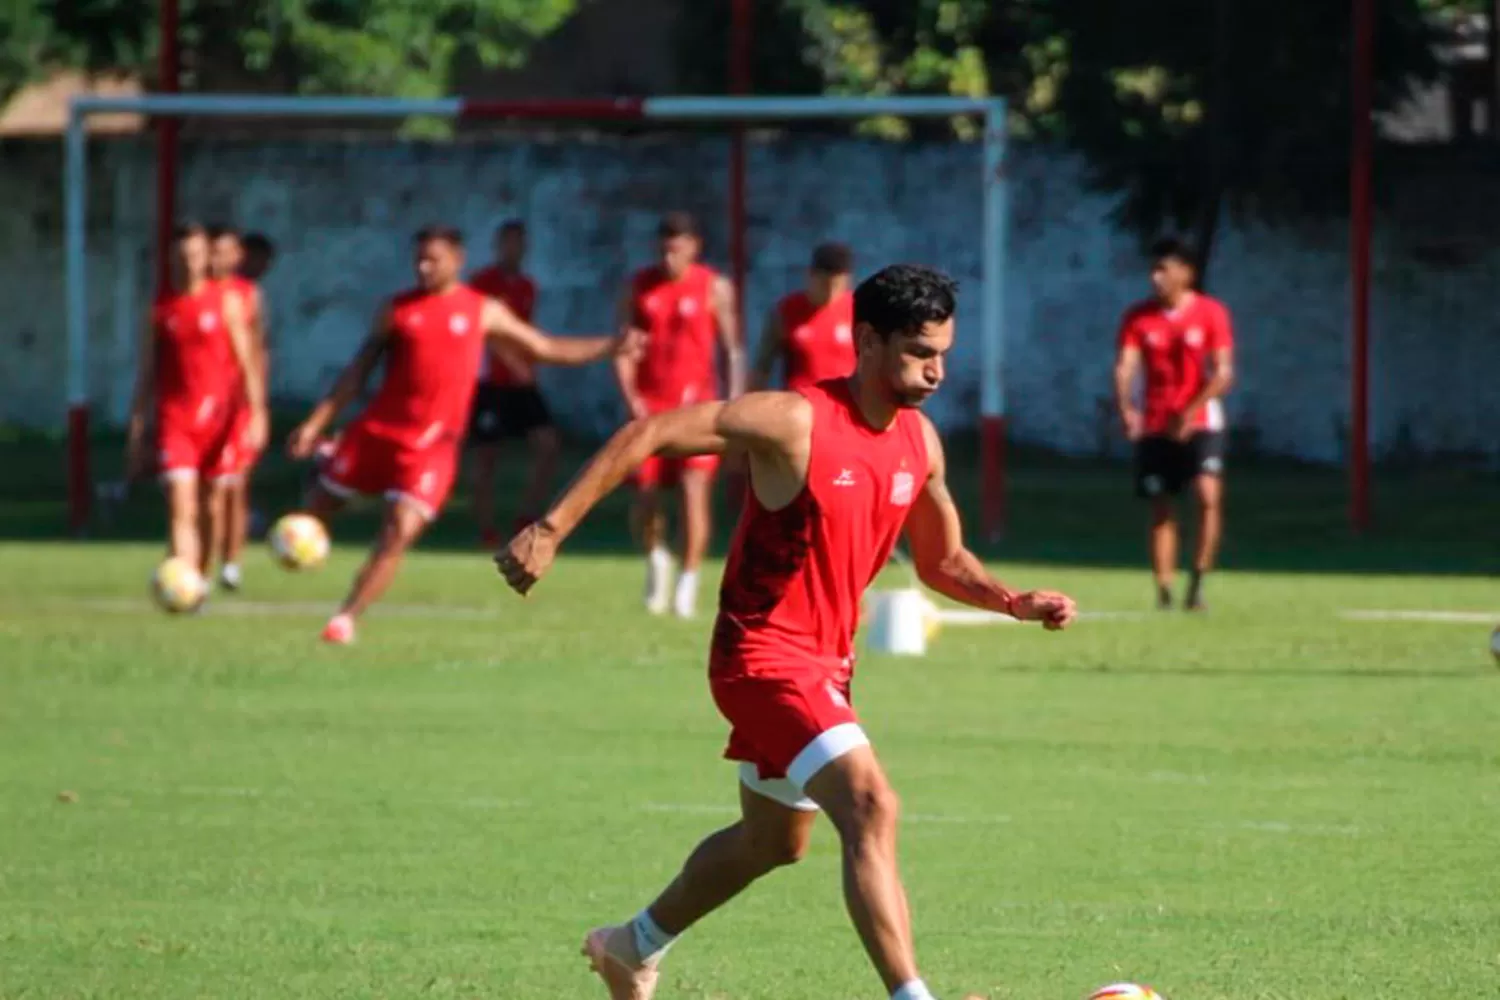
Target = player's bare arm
(1127,367)
(771,343)
(351,382)
(145,391)
(944,563)
(242,341)
(1217,385)
(503,326)
(627,362)
(728,323)
(773,428)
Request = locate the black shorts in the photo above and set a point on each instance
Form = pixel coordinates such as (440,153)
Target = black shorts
(503,412)
(1164,466)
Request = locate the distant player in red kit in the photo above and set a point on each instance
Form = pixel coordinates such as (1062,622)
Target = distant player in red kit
(508,405)
(811,332)
(837,471)
(1182,340)
(226,264)
(405,445)
(684,311)
(197,359)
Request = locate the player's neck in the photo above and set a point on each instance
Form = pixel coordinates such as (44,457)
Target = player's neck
(191,286)
(874,405)
(1172,303)
(444,288)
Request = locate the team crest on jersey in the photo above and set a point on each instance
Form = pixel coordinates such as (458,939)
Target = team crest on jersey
(842,334)
(688,307)
(207,321)
(1155,338)
(1194,337)
(459,325)
(903,485)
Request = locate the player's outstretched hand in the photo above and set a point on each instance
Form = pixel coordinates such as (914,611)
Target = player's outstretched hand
(1055,611)
(303,442)
(527,557)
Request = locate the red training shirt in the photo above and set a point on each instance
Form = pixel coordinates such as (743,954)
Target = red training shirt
(197,373)
(817,341)
(518,291)
(1177,349)
(679,360)
(790,600)
(431,368)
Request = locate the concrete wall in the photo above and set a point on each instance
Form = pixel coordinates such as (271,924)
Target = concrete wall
(341,212)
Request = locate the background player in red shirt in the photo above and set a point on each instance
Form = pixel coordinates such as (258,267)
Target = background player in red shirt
(508,404)
(837,471)
(1181,339)
(226,264)
(681,312)
(811,332)
(196,359)
(405,445)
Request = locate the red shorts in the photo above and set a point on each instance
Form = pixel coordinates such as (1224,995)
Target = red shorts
(244,455)
(787,727)
(376,466)
(661,471)
(207,449)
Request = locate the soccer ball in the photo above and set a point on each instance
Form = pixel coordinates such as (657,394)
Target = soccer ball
(1125,991)
(177,586)
(299,541)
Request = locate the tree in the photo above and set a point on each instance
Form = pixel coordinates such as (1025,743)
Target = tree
(401,48)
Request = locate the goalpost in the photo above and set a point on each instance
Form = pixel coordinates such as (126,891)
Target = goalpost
(730,111)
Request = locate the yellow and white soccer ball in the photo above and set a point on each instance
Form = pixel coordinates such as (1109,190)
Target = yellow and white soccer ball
(299,541)
(1125,991)
(177,586)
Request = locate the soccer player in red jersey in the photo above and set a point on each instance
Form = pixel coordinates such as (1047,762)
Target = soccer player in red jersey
(508,404)
(837,471)
(405,445)
(226,264)
(1181,339)
(811,331)
(677,306)
(197,358)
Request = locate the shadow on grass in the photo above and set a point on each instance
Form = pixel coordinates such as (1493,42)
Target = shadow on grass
(1067,512)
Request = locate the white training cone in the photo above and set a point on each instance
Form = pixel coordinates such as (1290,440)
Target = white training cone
(898,622)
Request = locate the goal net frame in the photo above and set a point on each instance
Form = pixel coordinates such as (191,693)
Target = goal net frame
(730,112)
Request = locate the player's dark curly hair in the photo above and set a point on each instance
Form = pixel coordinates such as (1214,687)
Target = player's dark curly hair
(903,298)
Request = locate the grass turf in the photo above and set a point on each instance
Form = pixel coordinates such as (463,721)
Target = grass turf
(1272,801)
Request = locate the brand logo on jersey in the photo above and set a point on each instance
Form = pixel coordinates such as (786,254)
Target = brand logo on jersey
(459,325)
(1194,337)
(1156,338)
(835,695)
(903,485)
(842,333)
(844,478)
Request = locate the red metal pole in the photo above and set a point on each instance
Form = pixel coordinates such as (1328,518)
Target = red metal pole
(1362,151)
(740,28)
(168,74)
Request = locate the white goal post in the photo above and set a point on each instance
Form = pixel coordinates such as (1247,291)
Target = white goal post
(729,111)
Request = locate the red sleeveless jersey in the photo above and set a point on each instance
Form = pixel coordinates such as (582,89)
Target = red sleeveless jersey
(197,374)
(790,600)
(679,361)
(518,291)
(249,293)
(818,341)
(431,365)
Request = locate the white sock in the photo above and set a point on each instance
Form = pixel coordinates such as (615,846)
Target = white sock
(660,559)
(230,572)
(658,578)
(686,601)
(651,942)
(914,990)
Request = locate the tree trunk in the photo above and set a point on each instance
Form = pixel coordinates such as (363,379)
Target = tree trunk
(1216,139)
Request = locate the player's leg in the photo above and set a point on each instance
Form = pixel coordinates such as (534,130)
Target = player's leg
(184,530)
(648,523)
(774,829)
(1157,480)
(853,790)
(1208,491)
(403,524)
(486,464)
(236,530)
(1163,547)
(212,520)
(697,516)
(545,444)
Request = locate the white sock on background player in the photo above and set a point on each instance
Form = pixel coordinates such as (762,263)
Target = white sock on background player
(685,602)
(658,580)
(229,576)
(914,990)
(651,942)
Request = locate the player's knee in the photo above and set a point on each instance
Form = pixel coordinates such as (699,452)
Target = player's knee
(777,849)
(1163,513)
(874,813)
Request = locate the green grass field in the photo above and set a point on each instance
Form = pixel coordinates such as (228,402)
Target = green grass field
(1274,801)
